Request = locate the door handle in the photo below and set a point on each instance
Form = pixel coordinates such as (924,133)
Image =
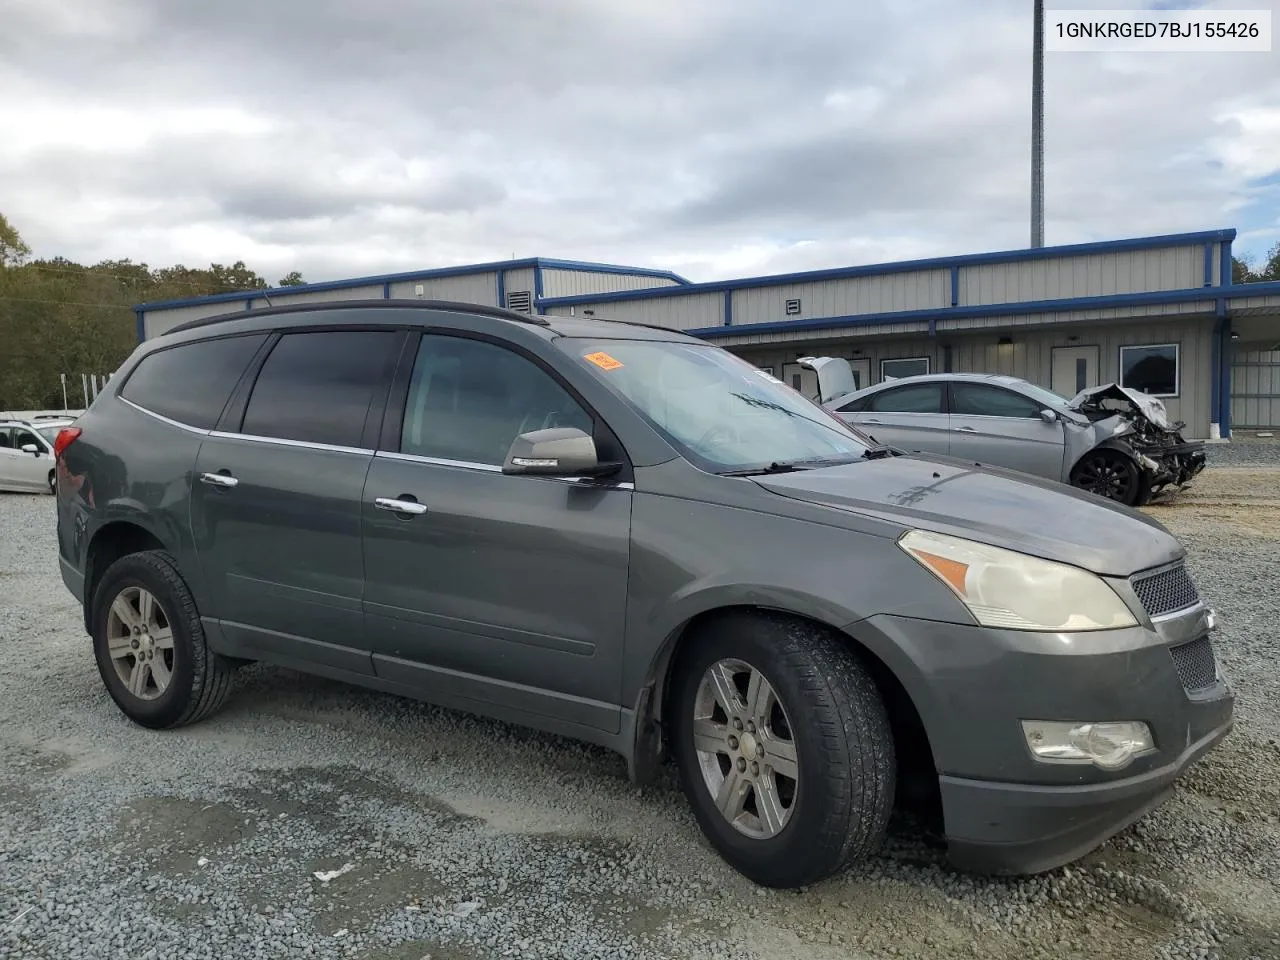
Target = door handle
(967,429)
(219,479)
(409,508)
(871,420)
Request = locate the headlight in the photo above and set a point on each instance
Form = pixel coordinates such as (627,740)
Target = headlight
(1005,589)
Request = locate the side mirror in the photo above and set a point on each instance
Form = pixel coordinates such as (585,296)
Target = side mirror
(556,452)
(31,448)
(1049,416)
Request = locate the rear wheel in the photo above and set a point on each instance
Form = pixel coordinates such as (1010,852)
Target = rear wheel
(53,482)
(784,748)
(1112,475)
(150,645)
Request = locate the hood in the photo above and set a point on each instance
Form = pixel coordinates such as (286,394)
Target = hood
(1151,407)
(998,507)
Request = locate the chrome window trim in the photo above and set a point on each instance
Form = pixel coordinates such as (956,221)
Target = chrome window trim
(199,431)
(284,442)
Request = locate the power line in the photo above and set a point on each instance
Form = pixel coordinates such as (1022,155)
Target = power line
(71,303)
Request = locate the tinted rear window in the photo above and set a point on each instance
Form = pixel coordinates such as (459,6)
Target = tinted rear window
(191,383)
(316,387)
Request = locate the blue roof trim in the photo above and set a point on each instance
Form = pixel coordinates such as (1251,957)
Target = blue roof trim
(907,266)
(934,314)
(435,272)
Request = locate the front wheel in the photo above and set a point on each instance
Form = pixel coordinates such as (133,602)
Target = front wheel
(784,748)
(1113,476)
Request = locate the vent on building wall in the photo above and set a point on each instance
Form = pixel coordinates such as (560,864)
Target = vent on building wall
(793,307)
(521,301)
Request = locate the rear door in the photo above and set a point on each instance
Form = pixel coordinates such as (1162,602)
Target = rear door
(506,593)
(990,424)
(276,502)
(912,416)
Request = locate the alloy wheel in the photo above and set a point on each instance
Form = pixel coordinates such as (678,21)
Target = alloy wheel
(745,748)
(140,643)
(1106,477)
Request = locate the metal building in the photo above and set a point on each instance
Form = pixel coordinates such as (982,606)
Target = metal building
(1156,313)
(515,284)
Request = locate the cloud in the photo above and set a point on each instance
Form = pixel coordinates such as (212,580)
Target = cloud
(717,139)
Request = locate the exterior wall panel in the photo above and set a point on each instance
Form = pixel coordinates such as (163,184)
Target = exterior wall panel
(156,322)
(373,292)
(1124,271)
(479,288)
(918,290)
(677,313)
(572,283)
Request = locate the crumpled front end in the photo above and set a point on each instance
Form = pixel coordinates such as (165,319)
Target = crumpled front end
(1167,458)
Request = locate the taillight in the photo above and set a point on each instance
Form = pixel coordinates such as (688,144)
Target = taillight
(66,437)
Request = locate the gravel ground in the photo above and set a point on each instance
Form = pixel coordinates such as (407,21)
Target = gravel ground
(1247,450)
(444,836)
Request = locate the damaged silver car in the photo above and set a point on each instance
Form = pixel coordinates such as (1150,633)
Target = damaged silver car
(1109,440)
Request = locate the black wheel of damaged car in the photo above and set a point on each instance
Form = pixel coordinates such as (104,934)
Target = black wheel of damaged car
(1110,474)
(784,747)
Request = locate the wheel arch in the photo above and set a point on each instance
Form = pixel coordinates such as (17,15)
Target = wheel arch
(653,707)
(110,542)
(1112,444)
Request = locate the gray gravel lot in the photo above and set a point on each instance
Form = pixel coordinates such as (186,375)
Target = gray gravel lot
(455,838)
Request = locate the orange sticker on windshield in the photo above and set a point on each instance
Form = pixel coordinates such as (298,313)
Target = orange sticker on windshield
(604,361)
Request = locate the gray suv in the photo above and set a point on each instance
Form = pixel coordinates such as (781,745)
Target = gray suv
(628,536)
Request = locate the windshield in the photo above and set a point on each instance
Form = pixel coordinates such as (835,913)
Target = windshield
(722,413)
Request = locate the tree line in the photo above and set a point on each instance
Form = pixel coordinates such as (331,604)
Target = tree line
(58,316)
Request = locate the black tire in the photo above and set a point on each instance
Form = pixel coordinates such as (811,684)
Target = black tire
(53,482)
(200,679)
(846,776)
(1113,476)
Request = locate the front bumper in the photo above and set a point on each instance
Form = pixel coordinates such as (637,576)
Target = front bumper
(1006,812)
(1026,828)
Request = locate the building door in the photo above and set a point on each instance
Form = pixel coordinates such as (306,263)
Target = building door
(1074,369)
(801,379)
(1255,387)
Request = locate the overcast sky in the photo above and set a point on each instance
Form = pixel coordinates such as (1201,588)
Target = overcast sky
(713,137)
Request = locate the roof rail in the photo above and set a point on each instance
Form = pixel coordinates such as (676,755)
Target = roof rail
(500,313)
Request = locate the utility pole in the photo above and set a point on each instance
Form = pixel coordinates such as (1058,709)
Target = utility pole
(1037,129)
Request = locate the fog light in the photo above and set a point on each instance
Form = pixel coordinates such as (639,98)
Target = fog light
(1110,746)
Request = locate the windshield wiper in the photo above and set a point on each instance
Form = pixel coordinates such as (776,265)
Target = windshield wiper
(775,467)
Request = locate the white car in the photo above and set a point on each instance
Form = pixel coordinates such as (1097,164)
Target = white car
(26,454)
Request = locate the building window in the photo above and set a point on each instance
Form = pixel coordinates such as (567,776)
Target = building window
(1151,368)
(907,367)
(793,307)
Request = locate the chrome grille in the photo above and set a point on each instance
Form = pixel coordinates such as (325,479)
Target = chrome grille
(1196,666)
(1165,591)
